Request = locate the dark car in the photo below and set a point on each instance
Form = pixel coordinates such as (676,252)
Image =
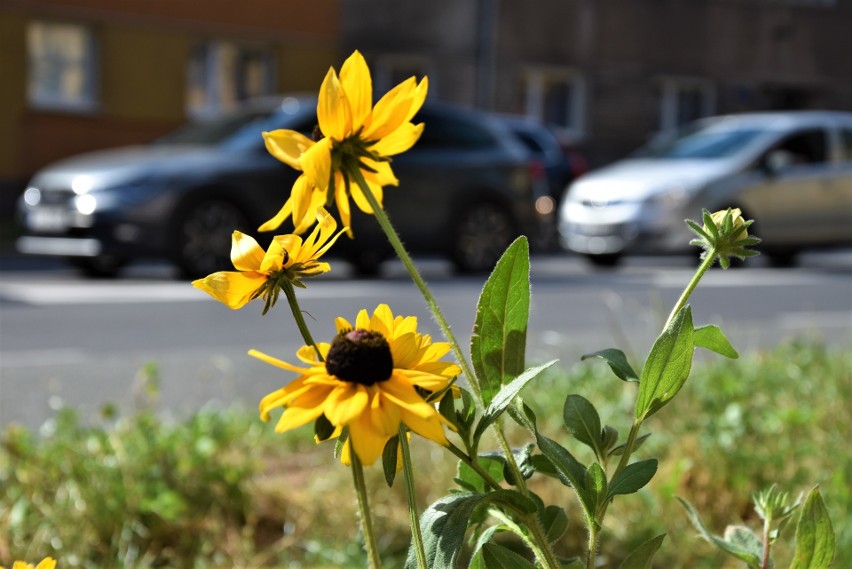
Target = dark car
(557,163)
(466,190)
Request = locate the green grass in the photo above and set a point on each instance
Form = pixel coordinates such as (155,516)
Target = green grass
(221,490)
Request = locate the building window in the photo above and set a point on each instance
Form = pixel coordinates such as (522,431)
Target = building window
(61,66)
(221,74)
(685,99)
(558,98)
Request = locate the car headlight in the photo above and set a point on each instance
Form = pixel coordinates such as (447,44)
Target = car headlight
(670,198)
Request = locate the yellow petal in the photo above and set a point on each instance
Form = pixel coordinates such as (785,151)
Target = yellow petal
(404,350)
(366,441)
(316,163)
(383,175)
(333,114)
(231,288)
(342,324)
(362,321)
(318,199)
(295,417)
(399,141)
(436,351)
(279,218)
(446,369)
(287,146)
(345,403)
(308,355)
(342,201)
(246,254)
(391,110)
(361,201)
(278,250)
(398,390)
(358,86)
(428,428)
(47,563)
(276,362)
(384,415)
(428,381)
(418,99)
(382,320)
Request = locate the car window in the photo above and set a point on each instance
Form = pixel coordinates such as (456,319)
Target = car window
(442,131)
(806,147)
(846,151)
(701,143)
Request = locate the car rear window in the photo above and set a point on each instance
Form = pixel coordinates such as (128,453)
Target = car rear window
(444,131)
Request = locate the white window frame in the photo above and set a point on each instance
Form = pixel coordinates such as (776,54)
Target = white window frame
(212,81)
(536,80)
(87,66)
(670,90)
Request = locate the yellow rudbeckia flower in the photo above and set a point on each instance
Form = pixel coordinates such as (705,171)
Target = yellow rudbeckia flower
(46,563)
(367,380)
(262,273)
(356,136)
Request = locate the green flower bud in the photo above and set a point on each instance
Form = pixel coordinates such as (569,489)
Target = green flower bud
(724,235)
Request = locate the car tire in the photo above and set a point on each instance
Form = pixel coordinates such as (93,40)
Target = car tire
(203,236)
(482,234)
(604,260)
(101,267)
(781,258)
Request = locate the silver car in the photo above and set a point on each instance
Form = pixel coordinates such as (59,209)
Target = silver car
(790,171)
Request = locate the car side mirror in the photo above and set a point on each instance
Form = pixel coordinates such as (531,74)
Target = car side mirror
(778,160)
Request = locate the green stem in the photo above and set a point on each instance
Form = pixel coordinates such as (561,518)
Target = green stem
(399,249)
(592,559)
(364,510)
(510,457)
(538,544)
(290,293)
(766,545)
(413,514)
(464,457)
(708,261)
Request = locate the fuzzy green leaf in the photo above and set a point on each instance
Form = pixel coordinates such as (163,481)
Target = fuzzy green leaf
(583,422)
(667,366)
(498,557)
(734,549)
(523,415)
(445,523)
(389,459)
(745,538)
(555,522)
(633,477)
(617,362)
(712,338)
(498,343)
(569,470)
(814,535)
(642,556)
(596,486)
(505,396)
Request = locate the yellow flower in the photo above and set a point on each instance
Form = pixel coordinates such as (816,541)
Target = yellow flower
(368,380)
(46,563)
(737,221)
(724,235)
(355,136)
(261,273)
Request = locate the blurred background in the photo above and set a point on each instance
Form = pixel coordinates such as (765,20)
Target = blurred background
(81,75)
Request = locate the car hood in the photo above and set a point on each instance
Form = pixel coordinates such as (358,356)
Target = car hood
(639,179)
(133,164)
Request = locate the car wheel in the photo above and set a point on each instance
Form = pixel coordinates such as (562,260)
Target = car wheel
(604,260)
(781,258)
(203,236)
(482,234)
(366,263)
(101,267)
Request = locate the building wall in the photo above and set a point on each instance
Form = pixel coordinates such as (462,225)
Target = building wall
(142,60)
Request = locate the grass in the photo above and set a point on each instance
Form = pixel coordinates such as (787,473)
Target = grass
(221,490)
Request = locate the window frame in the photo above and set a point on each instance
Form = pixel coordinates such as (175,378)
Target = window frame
(90,67)
(535,82)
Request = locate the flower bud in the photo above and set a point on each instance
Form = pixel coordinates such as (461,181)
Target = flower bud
(724,235)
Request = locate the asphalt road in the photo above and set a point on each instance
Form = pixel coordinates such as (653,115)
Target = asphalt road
(65,340)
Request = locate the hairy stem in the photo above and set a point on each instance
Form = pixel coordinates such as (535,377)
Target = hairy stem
(290,293)
(413,514)
(708,261)
(364,509)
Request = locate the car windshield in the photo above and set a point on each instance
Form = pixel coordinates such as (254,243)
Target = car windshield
(701,142)
(239,129)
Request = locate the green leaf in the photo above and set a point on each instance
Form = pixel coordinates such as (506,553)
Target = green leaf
(744,538)
(498,557)
(389,459)
(504,397)
(445,523)
(642,556)
(555,522)
(814,535)
(523,415)
(323,429)
(712,338)
(569,470)
(617,362)
(583,422)
(469,479)
(596,486)
(734,549)
(667,366)
(609,436)
(640,440)
(633,477)
(498,343)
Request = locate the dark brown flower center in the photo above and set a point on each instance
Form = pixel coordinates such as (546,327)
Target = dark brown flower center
(359,356)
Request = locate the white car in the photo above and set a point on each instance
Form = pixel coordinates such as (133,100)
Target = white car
(789,171)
